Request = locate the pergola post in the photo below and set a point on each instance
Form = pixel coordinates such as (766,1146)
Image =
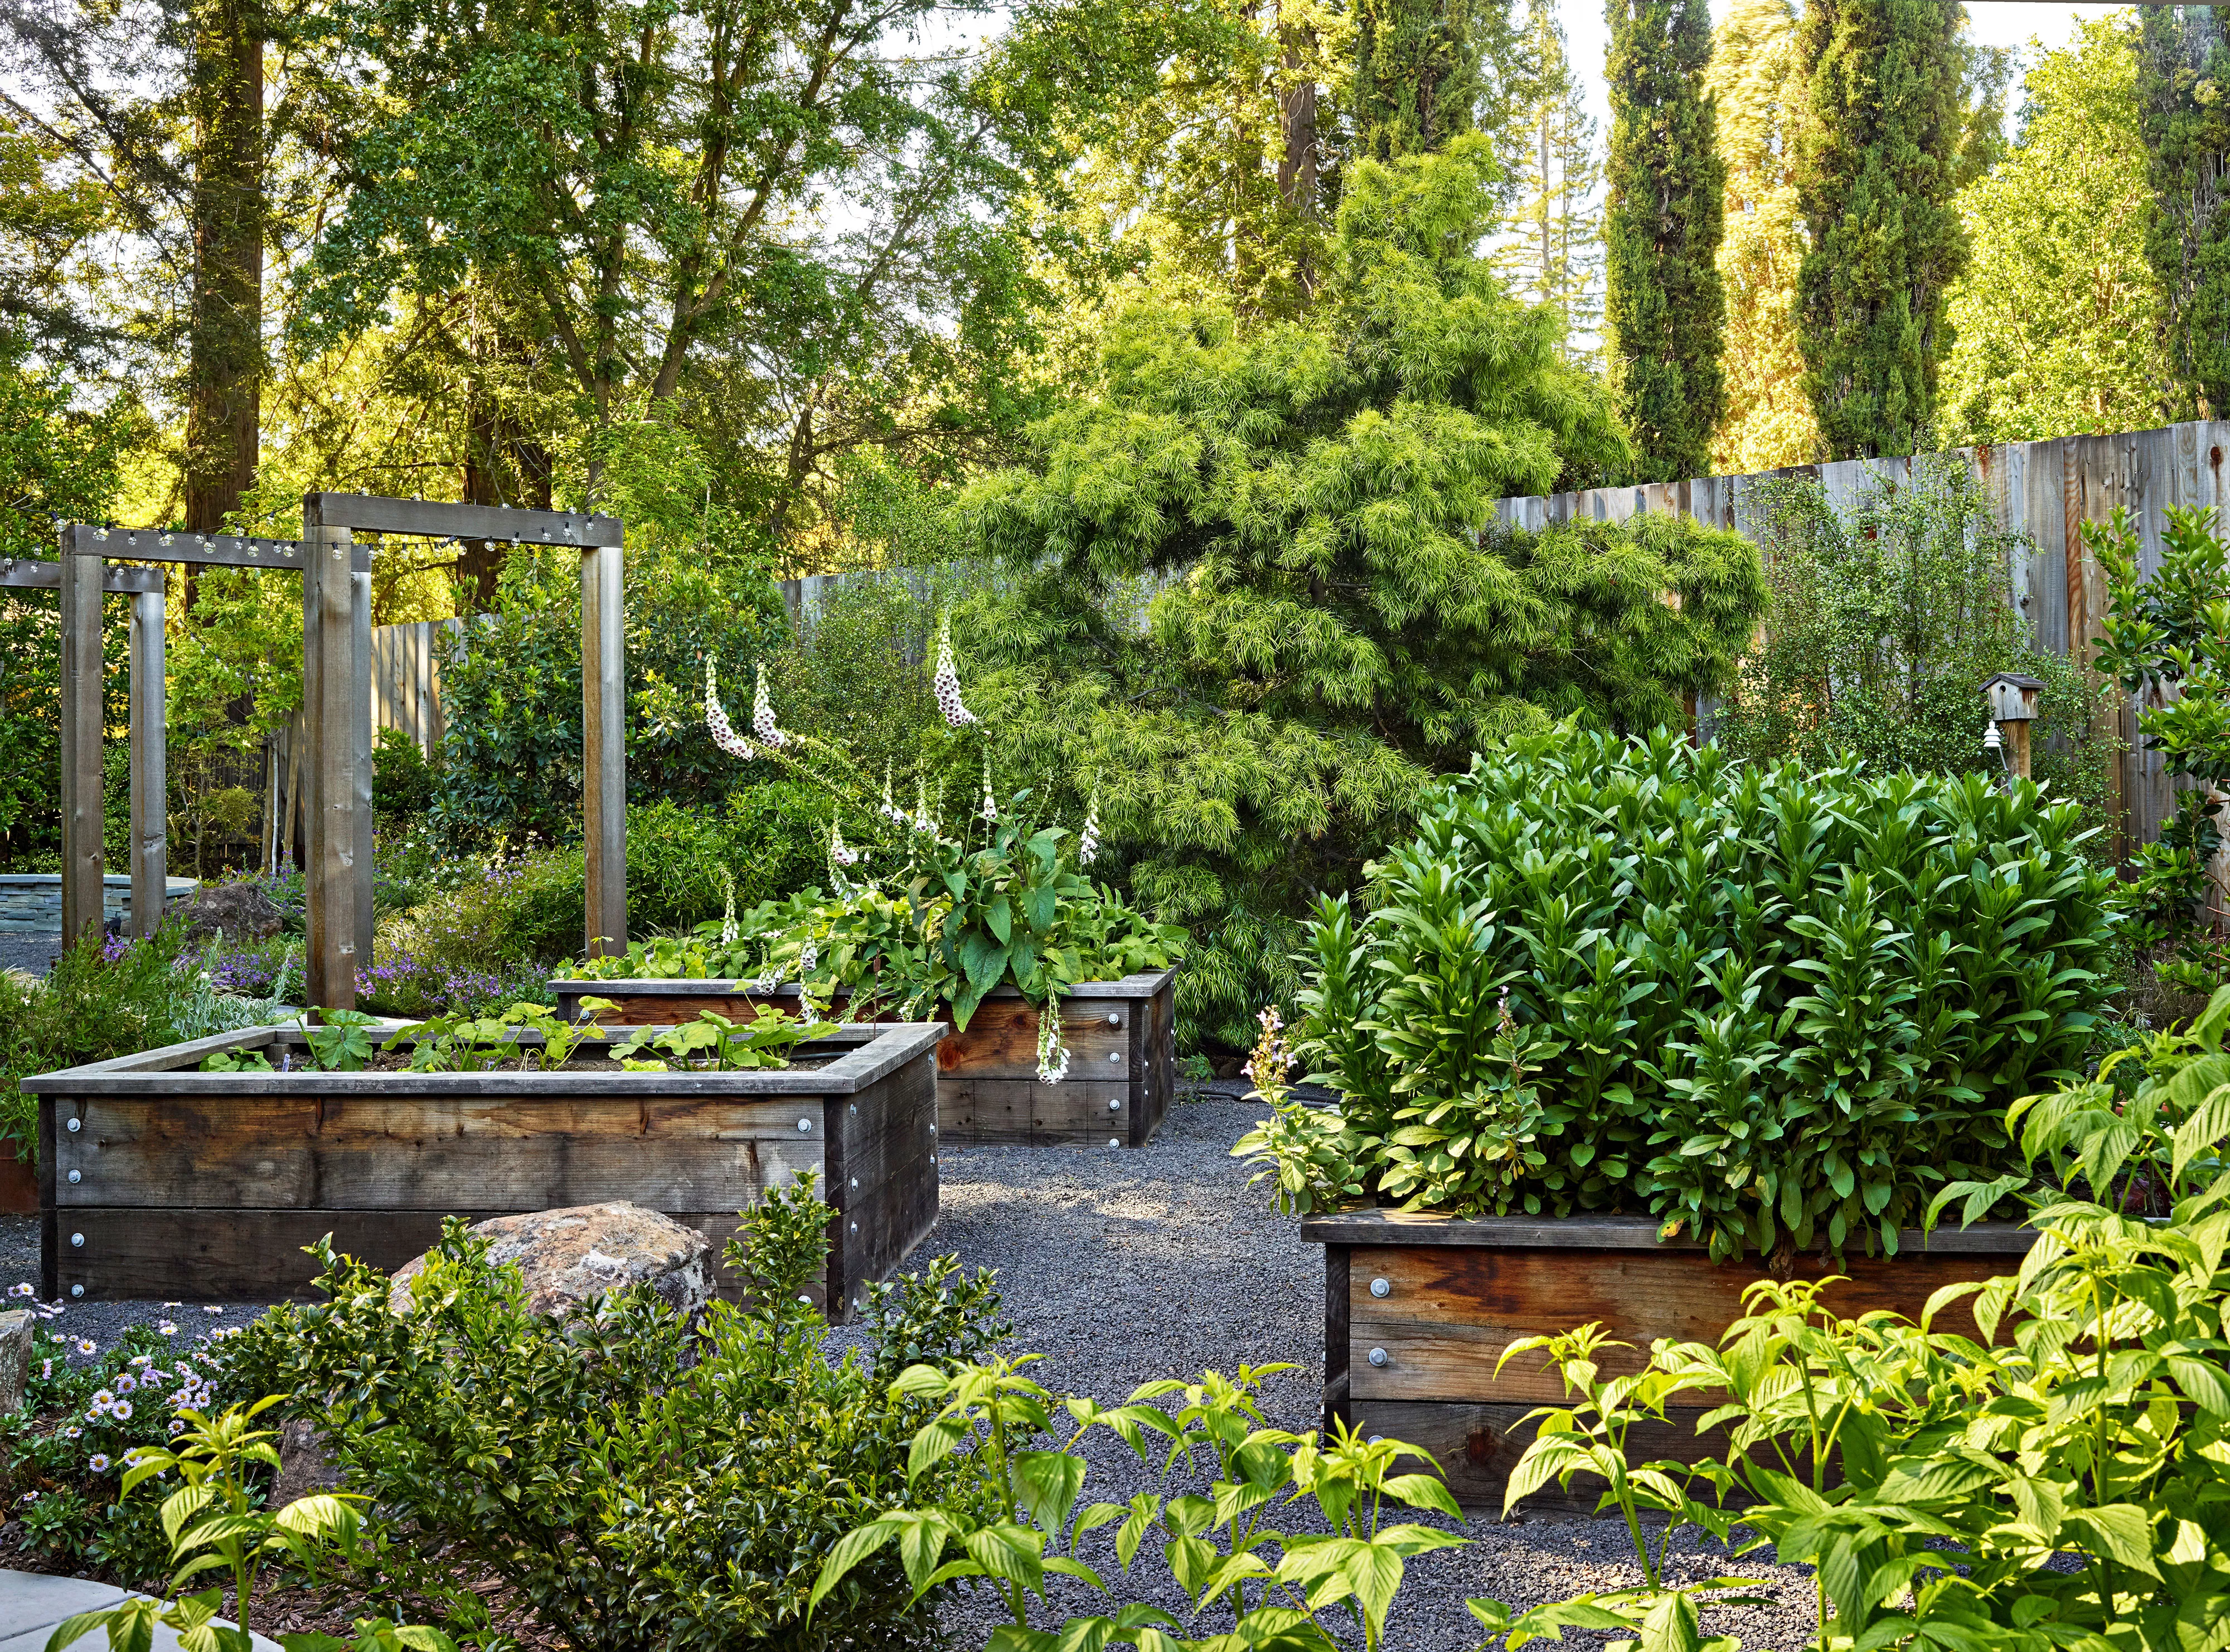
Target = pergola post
(603,747)
(149,806)
(360,736)
(81,715)
(330,721)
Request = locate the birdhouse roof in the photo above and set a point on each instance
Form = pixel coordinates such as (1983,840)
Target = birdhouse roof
(2014,679)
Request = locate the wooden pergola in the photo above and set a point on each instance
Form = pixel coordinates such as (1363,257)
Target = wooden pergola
(336,702)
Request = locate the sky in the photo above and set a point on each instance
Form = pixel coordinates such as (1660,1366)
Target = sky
(1996,22)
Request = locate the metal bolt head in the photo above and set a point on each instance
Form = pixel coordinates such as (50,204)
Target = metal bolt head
(1114,1019)
(805,1127)
(1378,1356)
(1114,1054)
(1112,1142)
(77,1290)
(77,1241)
(76,1124)
(76,1177)
(855,1227)
(855,1184)
(1381,1287)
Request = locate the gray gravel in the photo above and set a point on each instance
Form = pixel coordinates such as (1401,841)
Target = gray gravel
(1121,1267)
(35,954)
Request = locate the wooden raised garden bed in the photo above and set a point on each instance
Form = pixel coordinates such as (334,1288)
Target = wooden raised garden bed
(1121,1037)
(159,1180)
(1418,1308)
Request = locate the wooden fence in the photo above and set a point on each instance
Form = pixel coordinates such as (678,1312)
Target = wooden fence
(2041,491)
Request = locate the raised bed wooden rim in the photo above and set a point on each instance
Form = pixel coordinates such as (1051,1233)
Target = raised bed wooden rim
(1145,985)
(878,1050)
(1389,1227)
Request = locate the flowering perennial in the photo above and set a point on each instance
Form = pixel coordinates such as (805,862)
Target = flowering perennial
(838,855)
(1053,1053)
(716,719)
(947,679)
(763,713)
(1087,844)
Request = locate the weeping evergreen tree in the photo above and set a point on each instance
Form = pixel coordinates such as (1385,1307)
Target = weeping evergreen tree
(1664,307)
(1878,167)
(2183,64)
(1336,621)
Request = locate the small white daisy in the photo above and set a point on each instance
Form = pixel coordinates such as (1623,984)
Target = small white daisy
(126,1383)
(173,1304)
(177,1427)
(72,1432)
(167,1328)
(87,1345)
(212,1310)
(138,1360)
(21,1290)
(121,1410)
(98,1462)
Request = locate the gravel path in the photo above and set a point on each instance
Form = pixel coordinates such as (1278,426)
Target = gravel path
(1122,1267)
(35,954)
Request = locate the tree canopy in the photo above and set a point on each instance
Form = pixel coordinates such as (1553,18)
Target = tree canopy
(1308,508)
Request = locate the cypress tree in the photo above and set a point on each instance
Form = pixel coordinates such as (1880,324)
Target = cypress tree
(1878,162)
(2184,62)
(1663,308)
(1417,81)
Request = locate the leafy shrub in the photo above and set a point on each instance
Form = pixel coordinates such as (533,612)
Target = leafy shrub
(510,763)
(770,840)
(1884,621)
(1211,1533)
(2057,1484)
(86,1408)
(111,997)
(402,780)
(2167,641)
(638,1480)
(1770,1007)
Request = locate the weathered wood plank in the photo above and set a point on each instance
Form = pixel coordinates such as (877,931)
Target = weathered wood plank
(25,573)
(205,550)
(82,720)
(328,686)
(1448,1313)
(441,520)
(369,1152)
(149,798)
(1387,1226)
(603,747)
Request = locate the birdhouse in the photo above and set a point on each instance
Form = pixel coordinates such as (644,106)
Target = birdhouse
(2012,697)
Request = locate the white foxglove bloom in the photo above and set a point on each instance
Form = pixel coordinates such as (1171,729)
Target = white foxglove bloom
(990,807)
(921,820)
(891,812)
(728,926)
(1087,845)
(806,960)
(838,855)
(1053,1053)
(947,680)
(716,719)
(763,713)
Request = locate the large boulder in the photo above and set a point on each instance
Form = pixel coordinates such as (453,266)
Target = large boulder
(577,1255)
(236,912)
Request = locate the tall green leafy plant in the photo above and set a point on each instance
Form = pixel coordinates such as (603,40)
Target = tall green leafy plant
(2053,1481)
(1885,618)
(1771,1009)
(2167,640)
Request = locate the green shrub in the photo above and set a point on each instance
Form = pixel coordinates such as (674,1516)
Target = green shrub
(771,839)
(402,780)
(776,841)
(1767,1007)
(638,1480)
(2058,1485)
(61,1456)
(112,997)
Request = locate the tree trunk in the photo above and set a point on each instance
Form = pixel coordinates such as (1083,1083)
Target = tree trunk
(1297,109)
(225,327)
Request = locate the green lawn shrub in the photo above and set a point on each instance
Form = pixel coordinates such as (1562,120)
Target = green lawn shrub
(640,1480)
(1765,1006)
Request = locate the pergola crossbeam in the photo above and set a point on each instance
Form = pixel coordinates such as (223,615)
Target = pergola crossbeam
(431,518)
(206,549)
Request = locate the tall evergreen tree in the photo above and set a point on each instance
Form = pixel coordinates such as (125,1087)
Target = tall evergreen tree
(1879,162)
(1417,72)
(1664,309)
(1552,245)
(1757,82)
(2183,63)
